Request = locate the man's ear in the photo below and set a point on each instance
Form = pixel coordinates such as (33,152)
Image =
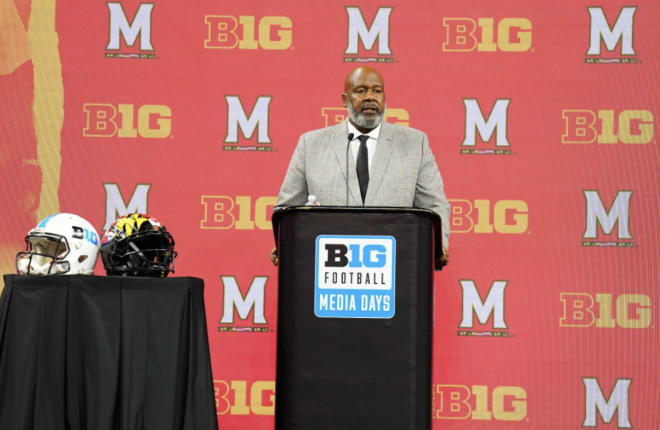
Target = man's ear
(344,99)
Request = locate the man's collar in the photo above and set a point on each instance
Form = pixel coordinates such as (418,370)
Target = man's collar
(373,133)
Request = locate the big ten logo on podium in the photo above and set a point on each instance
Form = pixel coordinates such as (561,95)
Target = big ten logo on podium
(247,32)
(243,312)
(597,405)
(242,397)
(256,120)
(618,35)
(335,115)
(470,34)
(598,216)
(495,126)
(128,31)
(479,402)
(605,310)
(362,37)
(483,216)
(490,309)
(115,203)
(607,126)
(355,276)
(127,120)
(239,212)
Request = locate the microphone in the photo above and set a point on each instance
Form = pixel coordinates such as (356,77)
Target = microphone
(348,146)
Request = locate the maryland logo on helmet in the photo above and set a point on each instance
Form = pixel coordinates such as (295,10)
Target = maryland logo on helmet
(138,245)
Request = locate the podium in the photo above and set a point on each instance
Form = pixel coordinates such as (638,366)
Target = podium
(355,314)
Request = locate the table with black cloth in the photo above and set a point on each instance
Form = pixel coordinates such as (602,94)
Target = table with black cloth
(104,353)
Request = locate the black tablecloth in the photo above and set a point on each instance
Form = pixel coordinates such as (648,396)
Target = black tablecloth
(104,353)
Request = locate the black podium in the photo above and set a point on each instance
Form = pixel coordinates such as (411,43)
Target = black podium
(354,343)
(104,353)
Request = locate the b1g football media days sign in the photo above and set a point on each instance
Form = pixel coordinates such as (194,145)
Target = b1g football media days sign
(355,276)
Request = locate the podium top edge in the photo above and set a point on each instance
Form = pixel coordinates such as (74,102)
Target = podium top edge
(279,211)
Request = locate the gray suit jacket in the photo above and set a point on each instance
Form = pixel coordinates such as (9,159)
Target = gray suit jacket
(403,172)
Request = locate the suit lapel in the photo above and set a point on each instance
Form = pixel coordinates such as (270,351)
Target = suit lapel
(339,141)
(380,162)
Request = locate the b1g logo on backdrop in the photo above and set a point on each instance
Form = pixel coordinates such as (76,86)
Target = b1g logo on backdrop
(461,402)
(359,33)
(273,33)
(598,216)
(335,115)
(583,310)
(256,120)
(116,206)
(513,35)
(491,308)
(606,126)
(482,216)
(127,121)
(128,31)
(492,129)
(243,312)
(596,404)
(240,212)
(355,276)
(241,397)
(619,35)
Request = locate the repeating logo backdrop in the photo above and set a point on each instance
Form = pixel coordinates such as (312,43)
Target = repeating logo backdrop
(541,118)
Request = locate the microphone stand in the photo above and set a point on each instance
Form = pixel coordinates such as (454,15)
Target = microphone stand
(348,146)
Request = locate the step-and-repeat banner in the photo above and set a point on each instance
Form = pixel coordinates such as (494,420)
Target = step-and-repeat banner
(542,118)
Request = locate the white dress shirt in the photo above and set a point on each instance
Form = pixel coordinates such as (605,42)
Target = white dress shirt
(371,142)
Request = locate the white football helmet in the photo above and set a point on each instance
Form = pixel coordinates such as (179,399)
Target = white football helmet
(60,244)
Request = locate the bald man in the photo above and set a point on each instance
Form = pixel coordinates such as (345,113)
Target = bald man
(388,165)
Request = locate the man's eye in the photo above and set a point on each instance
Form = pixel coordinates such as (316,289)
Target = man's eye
(359,90)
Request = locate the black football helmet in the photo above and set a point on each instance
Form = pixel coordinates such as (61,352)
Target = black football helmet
(138,245)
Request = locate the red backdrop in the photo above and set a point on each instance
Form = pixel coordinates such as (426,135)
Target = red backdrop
(541,117)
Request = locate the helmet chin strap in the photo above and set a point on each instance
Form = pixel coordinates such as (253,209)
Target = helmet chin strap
(30,266)
(44,268)
(34,268)
(22,266)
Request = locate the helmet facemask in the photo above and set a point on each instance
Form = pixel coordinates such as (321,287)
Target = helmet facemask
(44,254)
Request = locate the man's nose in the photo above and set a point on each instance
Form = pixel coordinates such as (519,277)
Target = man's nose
(370,95)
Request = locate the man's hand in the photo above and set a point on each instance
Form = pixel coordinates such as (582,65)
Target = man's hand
(444,258)
(273,256)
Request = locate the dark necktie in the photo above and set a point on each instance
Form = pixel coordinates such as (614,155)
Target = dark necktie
(362,165)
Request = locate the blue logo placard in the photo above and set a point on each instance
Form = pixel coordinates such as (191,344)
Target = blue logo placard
(355,276)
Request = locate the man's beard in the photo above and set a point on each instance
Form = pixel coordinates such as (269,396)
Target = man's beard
(360,120)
